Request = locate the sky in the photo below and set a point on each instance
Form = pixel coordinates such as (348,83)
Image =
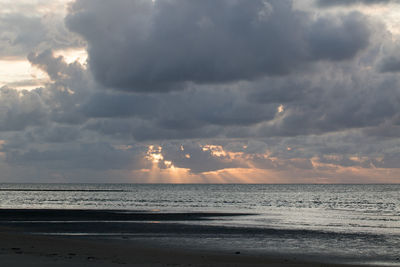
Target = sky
(211,91)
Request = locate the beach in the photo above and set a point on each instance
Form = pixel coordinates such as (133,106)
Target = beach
(19,249)
(190,225)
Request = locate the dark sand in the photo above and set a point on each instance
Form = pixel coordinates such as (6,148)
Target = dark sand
(21,246)
(27,250)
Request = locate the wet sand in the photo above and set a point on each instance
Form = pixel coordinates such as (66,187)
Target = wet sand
(24,240)
(18,249)
(115,215)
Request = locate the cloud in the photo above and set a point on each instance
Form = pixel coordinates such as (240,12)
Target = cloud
(71,85)
(21,33)
(82,156)
(221,86)
(330,3)
(390,64)
(338,38)
(143,46)
(20,109)
(332,99)
(199,158)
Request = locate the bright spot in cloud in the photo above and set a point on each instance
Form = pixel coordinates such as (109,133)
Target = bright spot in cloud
(154,154)
(217,151)
(73,54)
(281,109)
(168,164)
(20,74)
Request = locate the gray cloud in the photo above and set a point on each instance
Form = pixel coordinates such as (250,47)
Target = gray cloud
(98,156)
(19,34)
(141,46)
(71,85)
(338,38)
(22,33)
(390,64)
(19,110)
(246,109)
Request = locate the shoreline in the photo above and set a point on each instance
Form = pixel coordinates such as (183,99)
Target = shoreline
(21,249)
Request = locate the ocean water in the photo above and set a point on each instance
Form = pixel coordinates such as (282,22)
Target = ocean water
(342,223)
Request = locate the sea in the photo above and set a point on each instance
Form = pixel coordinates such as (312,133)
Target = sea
(332,223)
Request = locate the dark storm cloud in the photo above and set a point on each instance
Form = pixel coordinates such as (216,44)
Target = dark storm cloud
(329,3)
(72,99)
(338,38)
(211,106)
(184,111)
(337,99)
(104,105)
(148,130)
(332,103)
(279,90)
(330,100)
(161,46)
